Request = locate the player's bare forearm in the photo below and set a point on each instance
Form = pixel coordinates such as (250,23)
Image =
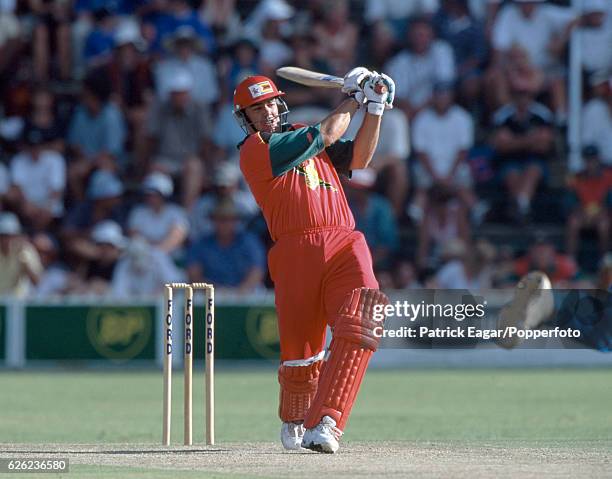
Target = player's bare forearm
(336,123)
(366,141)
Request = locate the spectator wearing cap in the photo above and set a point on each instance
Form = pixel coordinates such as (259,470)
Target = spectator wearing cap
(542,255)
(523,140)
(226,186)
(178,131)
(244,60)
(597,116)
(417,68)
(373,217)
(591,202)
(104,202)
(231,259)
(543,32)
(38,177)
(159,222)
(273,45)
(96,134)
(109,243)
(454,24)
(442,136)
(19,262)
(391,156)
(186,50)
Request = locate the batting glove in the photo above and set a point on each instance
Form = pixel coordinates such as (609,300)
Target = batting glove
(375,97)
(390,90)
(354,79)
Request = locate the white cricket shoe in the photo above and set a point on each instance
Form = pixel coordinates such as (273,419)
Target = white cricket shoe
(291,435)
(533,303)
(323,437)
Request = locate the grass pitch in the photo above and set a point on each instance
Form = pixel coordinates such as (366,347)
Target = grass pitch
(430,423)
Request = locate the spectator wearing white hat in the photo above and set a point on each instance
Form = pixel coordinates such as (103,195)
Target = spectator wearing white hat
(178,131)
(19,262)
(160,223)
(142,271)
(109,243)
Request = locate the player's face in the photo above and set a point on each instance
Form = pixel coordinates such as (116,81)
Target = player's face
(264,116)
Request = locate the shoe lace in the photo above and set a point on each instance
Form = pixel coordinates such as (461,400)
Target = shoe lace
(337,433)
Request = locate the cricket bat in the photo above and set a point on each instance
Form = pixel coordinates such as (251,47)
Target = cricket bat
(316,79)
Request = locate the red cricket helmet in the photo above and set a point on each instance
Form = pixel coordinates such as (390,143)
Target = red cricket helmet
(256,89)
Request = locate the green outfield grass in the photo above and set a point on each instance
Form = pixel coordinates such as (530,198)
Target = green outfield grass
(554,408)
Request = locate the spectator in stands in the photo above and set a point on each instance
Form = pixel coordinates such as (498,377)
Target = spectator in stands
(104,202)
(523,140)
(223,19)
(178,130)
(243,61)
(596,36)
(597,117)
(390,159)
(231,259)
(96,134)
(44,116)
(419,67)
(274,50)
(543,256)
(38,175)
(473,271)
(51,35)
(397,13)
(108,244)
(542,31)
(142,272)
(336,36)
(454,24)
(373,217)
(405,275)
(442,136)
(19,262)
(156,220)
(185,47)
(445,220)
(226,185)
(99,42)
(591,191)
(175,14)
(56,279)
(10,36)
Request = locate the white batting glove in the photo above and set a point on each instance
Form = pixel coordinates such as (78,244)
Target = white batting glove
(376,99)
(354,79)
(390,90)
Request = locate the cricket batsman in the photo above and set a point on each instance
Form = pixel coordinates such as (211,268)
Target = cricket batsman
(321,267)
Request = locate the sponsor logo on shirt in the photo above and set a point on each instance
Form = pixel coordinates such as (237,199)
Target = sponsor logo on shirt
(311,175)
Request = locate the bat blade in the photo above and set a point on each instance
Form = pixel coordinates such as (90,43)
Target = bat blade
(309,78)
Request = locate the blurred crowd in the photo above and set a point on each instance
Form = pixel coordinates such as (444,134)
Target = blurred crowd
(118,160)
